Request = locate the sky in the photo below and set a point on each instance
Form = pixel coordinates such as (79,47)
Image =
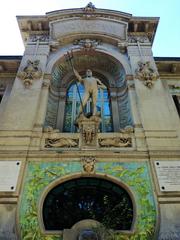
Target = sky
(166,43)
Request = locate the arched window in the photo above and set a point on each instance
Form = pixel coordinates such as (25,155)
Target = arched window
(88,198)
(73,104)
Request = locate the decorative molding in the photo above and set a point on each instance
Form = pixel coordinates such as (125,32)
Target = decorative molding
(138,38)
(29,73)
(88,163)
(87,44)
(40,38)
(146,73)
(60,142)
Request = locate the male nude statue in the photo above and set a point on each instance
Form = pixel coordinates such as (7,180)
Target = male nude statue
(91,85)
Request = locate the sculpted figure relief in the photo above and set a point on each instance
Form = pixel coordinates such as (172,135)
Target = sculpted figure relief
(146,73)
(89,134)
(61,142)
(115,142)
(88,164)
(30,72)
(91,85)
(90,7)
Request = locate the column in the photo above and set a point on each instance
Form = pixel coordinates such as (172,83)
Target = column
(42,108)
(115,109)
(61,109)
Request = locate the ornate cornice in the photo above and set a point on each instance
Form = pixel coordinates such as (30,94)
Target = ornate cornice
(42,24)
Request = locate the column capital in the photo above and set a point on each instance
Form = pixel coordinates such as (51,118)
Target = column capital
(47,76)
(46,83)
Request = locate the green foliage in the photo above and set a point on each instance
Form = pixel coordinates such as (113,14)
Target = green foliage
(146,213)
(39,179)
(40,175)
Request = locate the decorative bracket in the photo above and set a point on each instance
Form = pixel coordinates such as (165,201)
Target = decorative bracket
(122,47)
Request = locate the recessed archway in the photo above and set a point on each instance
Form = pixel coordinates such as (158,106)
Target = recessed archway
(105,67)
(83,198)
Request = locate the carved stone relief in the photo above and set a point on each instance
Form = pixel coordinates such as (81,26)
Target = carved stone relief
(87,44)
(88,164)
(61,142)
(90,7)
(29,73)
(146,73)
(115,142)
(88,128)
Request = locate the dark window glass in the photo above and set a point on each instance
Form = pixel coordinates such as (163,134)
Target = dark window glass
(88,198)
(177,103)
(1,96)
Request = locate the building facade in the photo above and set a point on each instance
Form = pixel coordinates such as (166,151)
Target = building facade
(109,174)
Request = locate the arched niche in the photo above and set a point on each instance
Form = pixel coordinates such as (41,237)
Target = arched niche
(98,198)
(105,67)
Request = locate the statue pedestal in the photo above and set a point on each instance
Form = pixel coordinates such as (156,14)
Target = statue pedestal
(88,128)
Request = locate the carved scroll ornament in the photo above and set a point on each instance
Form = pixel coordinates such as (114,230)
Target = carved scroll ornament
(31,72)
(145,73)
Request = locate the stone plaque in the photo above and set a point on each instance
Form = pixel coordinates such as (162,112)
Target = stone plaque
(77,26)
(9,172)
(168,174)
